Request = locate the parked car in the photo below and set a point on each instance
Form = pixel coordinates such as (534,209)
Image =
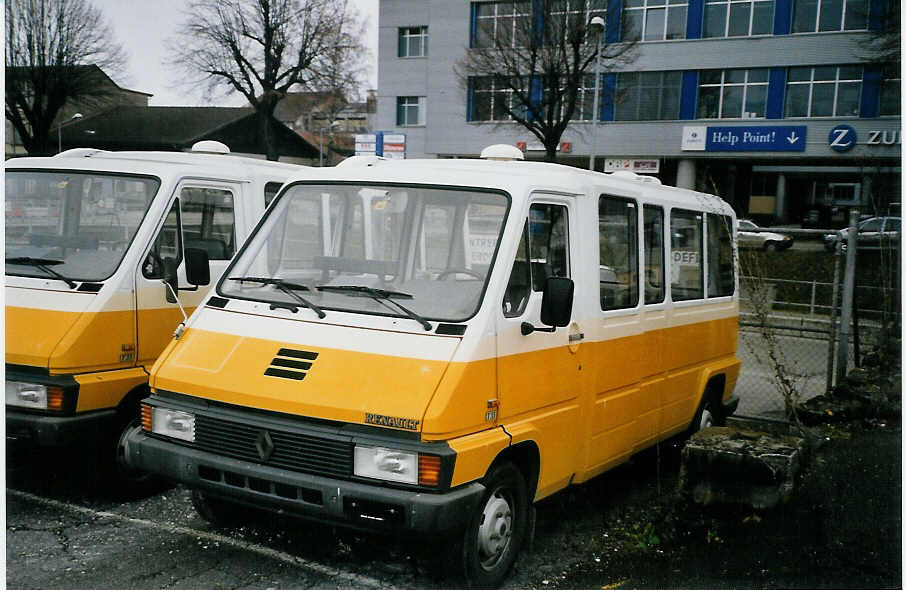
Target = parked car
(874,233)
(751,236)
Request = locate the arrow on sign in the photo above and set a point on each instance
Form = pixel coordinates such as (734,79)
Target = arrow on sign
(793,138)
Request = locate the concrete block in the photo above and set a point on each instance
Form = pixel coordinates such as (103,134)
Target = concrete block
(730,465)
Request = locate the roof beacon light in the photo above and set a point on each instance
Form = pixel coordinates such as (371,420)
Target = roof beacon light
(209,146)
(502,152)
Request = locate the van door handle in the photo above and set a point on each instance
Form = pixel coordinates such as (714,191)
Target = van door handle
(576,337)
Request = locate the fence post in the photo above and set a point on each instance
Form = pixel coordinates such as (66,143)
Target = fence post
(832,329)
(811,308)
(849,279)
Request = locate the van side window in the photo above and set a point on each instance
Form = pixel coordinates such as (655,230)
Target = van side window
(167,246)
(548,243)
(543,252)
(208,222)
(270,191)
(618,231)
(720,256)
(654,254)
(686,276)
(518,287)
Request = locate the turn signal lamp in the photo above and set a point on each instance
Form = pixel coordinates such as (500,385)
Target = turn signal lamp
(428,470)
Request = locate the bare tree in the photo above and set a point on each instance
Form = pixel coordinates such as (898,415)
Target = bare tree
(536,65)
(263,48)
(52,47)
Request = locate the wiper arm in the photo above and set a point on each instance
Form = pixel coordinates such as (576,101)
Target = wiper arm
(43,264)
(380,295)
(288,288)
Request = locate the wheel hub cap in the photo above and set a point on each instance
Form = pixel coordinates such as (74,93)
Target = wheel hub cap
(495,530)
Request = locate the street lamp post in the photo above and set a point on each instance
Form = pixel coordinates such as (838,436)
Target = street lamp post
(596,24)
(75,117)
(321,141)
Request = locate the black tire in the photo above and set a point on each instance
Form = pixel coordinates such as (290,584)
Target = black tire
(214,510)
(770,247)
(126,481)
(497,528)
(708,414)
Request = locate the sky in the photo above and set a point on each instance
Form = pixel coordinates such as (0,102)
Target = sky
(142,28)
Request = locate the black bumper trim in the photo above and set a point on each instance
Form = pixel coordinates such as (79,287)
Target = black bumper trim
(731,405)
(55,431)
(344,503)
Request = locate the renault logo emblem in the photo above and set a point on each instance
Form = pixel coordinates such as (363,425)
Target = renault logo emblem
(265,445)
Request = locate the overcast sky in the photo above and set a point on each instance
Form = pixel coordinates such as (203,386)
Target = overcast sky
(142,26)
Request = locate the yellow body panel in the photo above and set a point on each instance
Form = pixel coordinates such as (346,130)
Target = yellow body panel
(33,334)
(155,331)
(340,385)
(70,342)
(98,391)
(475,452)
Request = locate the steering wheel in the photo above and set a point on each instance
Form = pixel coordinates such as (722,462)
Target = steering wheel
(453,271)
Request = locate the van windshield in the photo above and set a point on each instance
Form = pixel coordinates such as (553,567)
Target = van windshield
(367,249)
(78,224)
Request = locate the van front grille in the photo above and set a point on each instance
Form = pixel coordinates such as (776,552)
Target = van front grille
(286,450)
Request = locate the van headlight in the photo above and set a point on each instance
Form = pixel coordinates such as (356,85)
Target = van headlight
(34,396)
(387,464)
(171,423)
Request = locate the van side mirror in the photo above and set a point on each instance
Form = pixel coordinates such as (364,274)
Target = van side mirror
(556,305)
(198,267)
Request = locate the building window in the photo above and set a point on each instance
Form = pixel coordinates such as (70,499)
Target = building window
(413,42)
(654,20)
(825,91)
(738,18)
(811,16)
(502,24)
(570,15)
(492,99)
(585,99)
(890,90)
(732,94)
(410,110)
(647,96)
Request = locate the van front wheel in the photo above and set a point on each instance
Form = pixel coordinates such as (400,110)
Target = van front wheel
(497,527)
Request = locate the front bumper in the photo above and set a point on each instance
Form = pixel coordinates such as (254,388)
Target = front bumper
(55,431)
(336,501)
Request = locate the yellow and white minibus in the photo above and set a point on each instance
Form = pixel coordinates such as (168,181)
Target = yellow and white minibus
(91,239)
(431,346)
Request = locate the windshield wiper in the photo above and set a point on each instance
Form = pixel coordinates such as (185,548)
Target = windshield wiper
(288,288)
(379,295)
(43,264)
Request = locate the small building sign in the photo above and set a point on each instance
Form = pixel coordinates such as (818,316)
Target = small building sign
(394,146)
(365,144)
(639,166)
(745,138)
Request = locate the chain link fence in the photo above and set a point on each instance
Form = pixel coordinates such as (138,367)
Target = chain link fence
(798,316)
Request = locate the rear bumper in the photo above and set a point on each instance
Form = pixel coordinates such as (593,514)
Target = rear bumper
(54,431)
(345,503)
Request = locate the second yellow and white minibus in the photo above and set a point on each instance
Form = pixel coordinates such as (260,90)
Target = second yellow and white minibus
(97,250)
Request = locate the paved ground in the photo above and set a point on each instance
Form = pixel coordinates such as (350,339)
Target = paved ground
(623,529)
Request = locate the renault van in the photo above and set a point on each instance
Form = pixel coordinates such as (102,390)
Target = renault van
(97,245)
(431,346)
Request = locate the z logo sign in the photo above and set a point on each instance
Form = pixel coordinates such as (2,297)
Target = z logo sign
(842,138)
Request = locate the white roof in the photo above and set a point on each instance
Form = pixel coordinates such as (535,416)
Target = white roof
(225,166)
(515,177)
